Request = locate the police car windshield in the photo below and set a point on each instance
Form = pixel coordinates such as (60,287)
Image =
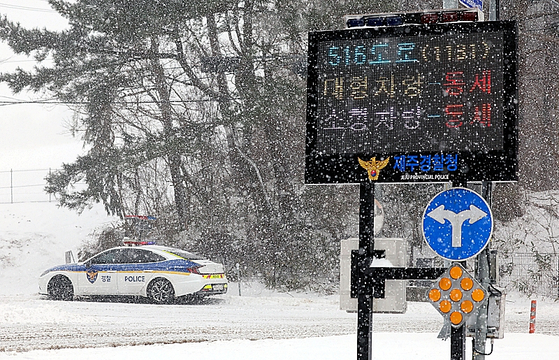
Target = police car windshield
(185,254)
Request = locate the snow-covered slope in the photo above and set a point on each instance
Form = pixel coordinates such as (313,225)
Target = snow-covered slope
(34,237)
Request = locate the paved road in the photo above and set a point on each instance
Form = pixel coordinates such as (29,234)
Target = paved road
(31,323)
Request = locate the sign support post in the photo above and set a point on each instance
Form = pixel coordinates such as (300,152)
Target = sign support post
(457,343)
(369,282)
(458,335)
(482,262)
(364,288)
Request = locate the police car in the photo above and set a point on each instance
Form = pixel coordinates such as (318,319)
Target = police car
(159,273)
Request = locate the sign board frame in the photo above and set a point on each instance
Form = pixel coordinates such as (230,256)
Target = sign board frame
(393,161)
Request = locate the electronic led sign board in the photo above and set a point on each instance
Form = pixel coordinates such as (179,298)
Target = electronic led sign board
(417,103)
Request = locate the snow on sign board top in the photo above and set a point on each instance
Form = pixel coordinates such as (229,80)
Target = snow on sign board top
(472,3)
(416,103)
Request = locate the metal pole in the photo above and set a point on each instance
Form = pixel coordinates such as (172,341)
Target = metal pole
(479,341)
(450,4)
(482,261)
(494,10)
(50,194)
(364,290)
(457,343)
(238,267)
(11,186)
(458,335)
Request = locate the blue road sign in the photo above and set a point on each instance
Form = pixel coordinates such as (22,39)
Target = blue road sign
(472,3)
(457,224)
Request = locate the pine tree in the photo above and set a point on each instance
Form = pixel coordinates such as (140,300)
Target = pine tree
(194,111)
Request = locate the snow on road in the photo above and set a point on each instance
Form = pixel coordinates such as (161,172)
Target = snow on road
(34,323)
(387,346)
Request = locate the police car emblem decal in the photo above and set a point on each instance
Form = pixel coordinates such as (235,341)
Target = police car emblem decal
(91,275)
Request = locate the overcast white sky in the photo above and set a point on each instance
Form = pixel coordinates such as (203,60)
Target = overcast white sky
(32,136)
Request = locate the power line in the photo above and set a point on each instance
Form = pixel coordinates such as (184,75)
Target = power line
(26,8)
(50,102)
(27,170)
(7,60)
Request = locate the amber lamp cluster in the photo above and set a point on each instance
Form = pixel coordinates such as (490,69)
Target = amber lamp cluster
(456,295)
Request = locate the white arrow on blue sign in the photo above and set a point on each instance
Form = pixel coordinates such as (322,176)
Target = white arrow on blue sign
(457,224)
(472,3)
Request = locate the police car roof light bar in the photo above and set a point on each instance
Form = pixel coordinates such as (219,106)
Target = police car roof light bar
(129,242)
(141,217)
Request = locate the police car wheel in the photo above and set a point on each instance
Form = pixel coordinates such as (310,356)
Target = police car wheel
(161,291)
(60,288)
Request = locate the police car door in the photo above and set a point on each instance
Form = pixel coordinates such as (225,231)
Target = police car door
(138,271)
(99,277)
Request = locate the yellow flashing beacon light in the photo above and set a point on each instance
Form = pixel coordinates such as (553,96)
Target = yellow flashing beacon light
(456,295)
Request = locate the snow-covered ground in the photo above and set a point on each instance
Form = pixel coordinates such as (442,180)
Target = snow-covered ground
(260,324)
